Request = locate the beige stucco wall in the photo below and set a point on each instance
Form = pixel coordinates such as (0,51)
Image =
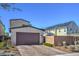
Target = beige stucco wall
(49,39)
(25,29)
(56,31)
(17,23)
(62,31)
(53,31)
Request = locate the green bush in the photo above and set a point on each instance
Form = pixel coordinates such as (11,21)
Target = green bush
(1,44)
(0,40)
(48,44)
(74,48)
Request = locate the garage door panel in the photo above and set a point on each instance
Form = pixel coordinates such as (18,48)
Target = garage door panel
(23,38)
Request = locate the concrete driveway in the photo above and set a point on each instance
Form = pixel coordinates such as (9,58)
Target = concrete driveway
(38,50)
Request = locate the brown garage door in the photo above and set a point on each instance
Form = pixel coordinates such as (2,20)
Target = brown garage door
(23,38)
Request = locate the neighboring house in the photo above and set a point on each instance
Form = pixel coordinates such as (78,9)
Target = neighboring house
(63,29)
(2,31)
(23,33)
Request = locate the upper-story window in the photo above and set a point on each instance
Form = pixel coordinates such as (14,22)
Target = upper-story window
(76,31)
(64,30)
(59,30)
(70,29)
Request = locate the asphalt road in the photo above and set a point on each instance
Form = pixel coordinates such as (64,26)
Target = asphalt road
(38,50)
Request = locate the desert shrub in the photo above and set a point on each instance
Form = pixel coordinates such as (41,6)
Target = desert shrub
(1,44)
(0,40)
(12,46)
(6,44)
(74,48)
(48,44)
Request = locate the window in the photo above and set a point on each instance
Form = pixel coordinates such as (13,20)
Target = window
(59,30)
(76,31)
(64,30)
(70,29)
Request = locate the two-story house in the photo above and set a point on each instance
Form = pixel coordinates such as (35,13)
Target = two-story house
(23,33)
(63,29)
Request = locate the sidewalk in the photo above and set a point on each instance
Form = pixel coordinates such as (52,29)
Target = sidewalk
(69,54)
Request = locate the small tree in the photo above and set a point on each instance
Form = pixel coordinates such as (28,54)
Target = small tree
(9,6)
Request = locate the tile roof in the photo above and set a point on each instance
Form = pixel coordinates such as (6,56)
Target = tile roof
(60,25)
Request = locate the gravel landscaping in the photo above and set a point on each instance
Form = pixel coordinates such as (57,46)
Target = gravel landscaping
(63,49)
(9,52)
(7,49)
(69,49)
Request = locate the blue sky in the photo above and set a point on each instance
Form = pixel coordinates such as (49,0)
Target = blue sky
(42,15)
